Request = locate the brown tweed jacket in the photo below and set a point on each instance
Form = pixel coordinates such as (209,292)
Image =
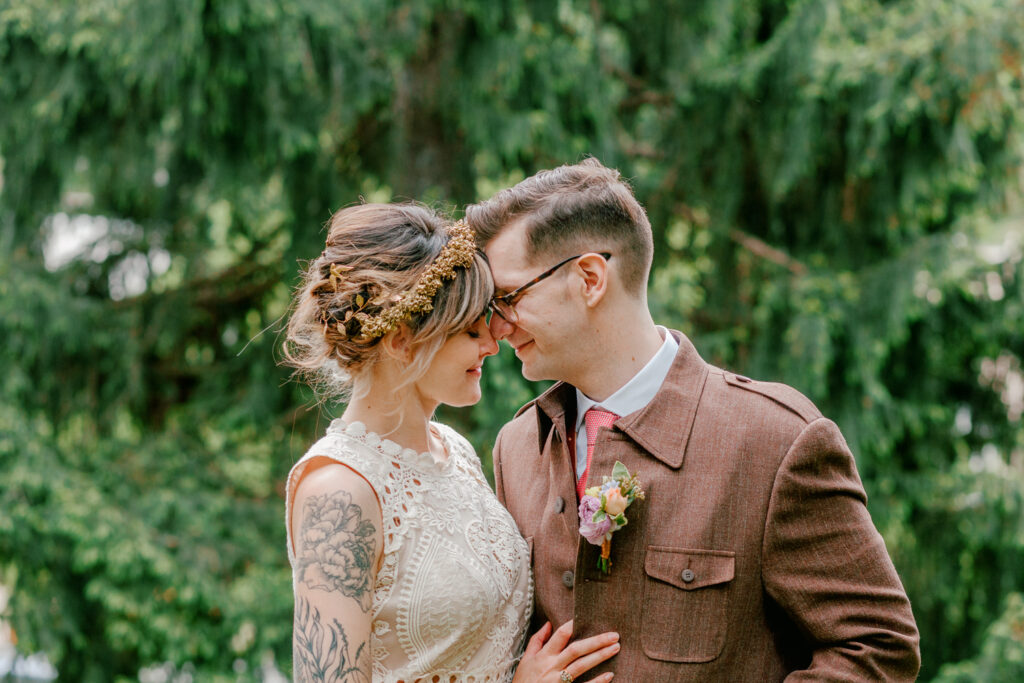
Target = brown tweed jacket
(753,557)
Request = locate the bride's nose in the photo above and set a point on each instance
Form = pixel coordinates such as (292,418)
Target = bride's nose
(488,344)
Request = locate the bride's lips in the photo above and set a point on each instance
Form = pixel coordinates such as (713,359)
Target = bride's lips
(476,372)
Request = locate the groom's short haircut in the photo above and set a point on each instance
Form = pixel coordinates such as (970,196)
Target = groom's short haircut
(573,208)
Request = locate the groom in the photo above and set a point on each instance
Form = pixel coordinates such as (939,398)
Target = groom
(752,557)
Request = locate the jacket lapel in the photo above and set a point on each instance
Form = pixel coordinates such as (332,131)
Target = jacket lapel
(556,410)
(662,427)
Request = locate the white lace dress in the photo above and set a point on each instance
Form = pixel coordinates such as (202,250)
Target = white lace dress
(453,597)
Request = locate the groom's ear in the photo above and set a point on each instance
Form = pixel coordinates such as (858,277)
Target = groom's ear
(593,273)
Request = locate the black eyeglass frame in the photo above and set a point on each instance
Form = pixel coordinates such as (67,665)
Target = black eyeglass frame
(508,300)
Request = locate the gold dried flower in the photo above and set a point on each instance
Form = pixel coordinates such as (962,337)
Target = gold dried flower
(458,253)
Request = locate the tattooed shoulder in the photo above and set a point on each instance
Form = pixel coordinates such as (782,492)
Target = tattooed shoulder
(337,547)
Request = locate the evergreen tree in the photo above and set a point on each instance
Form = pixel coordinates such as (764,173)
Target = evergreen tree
(835,188)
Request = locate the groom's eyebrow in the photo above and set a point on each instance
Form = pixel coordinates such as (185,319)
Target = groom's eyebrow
(499,288)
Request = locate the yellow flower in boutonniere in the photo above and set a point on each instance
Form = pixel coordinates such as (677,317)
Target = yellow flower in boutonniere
(614,502)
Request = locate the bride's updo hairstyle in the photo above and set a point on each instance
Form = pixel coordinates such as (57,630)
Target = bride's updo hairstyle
(379,261)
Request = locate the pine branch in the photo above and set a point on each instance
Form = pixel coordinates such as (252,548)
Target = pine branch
(764,250)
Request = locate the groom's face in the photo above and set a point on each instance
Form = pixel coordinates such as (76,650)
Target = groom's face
(544,312)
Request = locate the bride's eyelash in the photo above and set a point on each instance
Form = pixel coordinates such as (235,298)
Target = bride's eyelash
(471,330)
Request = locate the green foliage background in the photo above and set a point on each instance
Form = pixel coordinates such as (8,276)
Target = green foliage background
(835,188)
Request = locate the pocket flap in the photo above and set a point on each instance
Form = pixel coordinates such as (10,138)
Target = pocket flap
(690,569)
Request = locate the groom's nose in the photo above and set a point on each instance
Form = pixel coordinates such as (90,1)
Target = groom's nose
(500,328)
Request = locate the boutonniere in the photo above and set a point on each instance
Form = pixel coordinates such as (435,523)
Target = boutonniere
(602,510)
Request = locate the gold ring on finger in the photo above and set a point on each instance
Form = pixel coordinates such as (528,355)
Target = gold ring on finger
(565,676)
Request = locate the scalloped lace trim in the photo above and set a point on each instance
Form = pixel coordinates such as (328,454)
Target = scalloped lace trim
(357,431)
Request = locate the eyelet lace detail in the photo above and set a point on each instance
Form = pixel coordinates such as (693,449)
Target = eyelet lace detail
(454,592)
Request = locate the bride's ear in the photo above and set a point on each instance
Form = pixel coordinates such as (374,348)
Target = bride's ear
(398,344)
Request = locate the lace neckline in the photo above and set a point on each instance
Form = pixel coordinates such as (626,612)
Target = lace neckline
(358,432)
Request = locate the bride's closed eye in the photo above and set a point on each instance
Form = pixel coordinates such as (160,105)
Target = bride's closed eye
(474,330)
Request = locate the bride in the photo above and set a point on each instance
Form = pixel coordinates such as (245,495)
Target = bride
(405,566)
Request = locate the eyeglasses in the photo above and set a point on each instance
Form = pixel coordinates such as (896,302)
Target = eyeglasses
(504,304)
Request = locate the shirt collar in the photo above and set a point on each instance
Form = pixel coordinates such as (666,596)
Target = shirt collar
(662,427)
(638,391)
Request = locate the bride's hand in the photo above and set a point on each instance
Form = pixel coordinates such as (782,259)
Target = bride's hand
(544,662)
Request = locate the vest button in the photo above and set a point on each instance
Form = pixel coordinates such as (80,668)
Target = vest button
(688,575)
(567,578)
(559,504)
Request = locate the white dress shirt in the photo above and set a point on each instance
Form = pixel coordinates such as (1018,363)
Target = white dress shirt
(629,398)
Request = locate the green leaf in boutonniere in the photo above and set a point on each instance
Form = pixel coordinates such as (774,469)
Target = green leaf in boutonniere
(619,472)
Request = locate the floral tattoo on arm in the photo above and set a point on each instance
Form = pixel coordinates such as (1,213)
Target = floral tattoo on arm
(322,654)
(337,547)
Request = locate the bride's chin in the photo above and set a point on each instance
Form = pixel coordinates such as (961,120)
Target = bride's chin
(465,399)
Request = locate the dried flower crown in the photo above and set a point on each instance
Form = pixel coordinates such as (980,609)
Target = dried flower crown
(458,253)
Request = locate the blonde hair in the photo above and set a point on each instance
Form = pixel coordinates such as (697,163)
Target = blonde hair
(381,251)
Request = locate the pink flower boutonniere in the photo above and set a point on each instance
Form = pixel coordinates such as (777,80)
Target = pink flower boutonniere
(602,510)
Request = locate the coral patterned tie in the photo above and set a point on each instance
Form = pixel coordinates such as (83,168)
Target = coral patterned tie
(593,419)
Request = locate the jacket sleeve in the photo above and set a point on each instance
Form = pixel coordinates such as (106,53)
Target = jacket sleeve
(826,565)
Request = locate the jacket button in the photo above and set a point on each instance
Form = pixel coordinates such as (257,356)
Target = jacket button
(567,578)
(688,575)
(559,504)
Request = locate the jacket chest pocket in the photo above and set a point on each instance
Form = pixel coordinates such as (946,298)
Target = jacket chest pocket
(686,603)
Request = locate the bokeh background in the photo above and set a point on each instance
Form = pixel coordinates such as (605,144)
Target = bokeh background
(837,194)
